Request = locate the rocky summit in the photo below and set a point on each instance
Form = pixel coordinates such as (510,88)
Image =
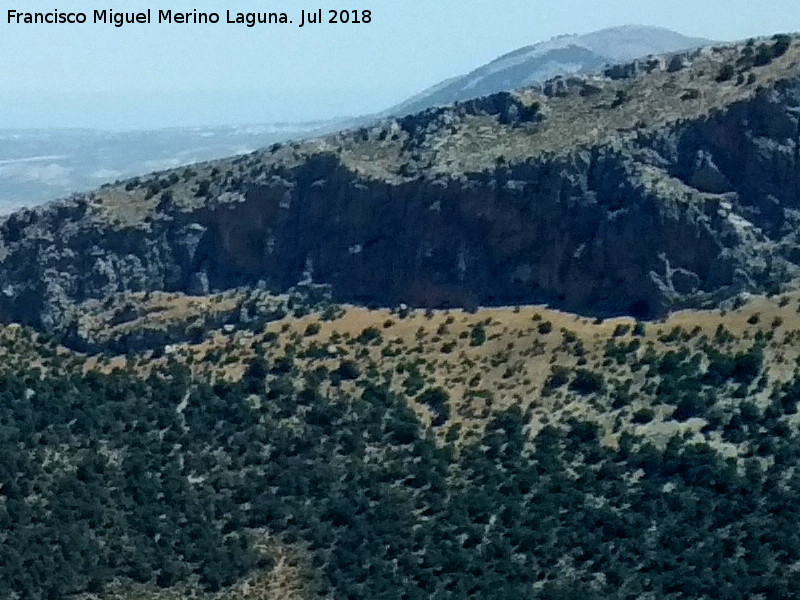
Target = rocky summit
(560,56)
(665,183)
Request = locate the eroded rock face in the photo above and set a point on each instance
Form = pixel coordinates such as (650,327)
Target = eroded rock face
(575,231)
(683,215)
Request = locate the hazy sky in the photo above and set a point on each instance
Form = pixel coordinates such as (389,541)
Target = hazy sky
(161,75)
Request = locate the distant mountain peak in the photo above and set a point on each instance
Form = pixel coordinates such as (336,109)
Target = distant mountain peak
(561,55)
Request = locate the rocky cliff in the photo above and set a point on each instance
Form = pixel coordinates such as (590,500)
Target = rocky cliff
(670,183)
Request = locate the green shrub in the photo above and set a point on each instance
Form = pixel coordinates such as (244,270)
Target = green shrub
(478,335)
(414,381)
(763,55)
(438,401)
(331,313)
(781,45)
(348,370)
(742,368)
(621,98)
(203,188)
(726,73)
(369,335)
(586,382)
(621,329)
(558,377)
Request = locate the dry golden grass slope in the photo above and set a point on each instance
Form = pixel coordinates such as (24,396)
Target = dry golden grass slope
(444,349)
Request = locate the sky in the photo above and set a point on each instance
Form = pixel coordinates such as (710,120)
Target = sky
(148,76)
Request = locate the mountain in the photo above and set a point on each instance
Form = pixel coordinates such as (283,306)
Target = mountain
(37,165)
(662,185)
(201,396)
(563,55)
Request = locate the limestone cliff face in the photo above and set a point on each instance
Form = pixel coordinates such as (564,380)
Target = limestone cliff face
(651,218)
(576,231)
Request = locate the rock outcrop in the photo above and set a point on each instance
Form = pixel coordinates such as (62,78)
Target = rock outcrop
(649,211)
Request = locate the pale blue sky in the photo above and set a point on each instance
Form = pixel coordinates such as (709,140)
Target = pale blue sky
(159,75)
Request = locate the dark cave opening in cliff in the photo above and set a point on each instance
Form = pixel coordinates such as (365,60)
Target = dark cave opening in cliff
(640,309)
